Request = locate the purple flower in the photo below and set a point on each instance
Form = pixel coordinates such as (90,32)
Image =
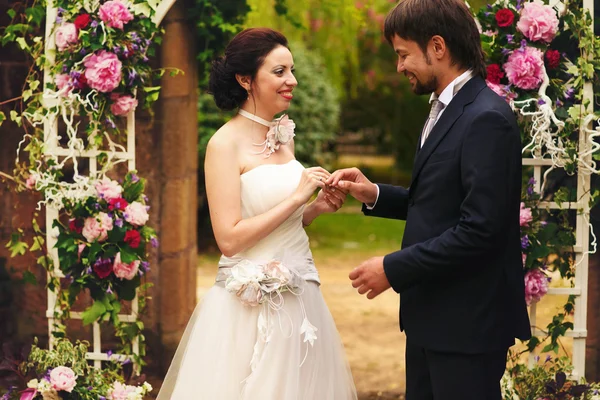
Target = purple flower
(131,75)
(94,24)
(569,93)
(135,47)
(145,59)
(64,68)
(519,6)
(154,242)
(119,222)
(523,43)
(88,270)
(134,178)
(510,38)
(101,398)
(489,7)
(548,358)
(111,215)
(111,123)
(109,290)
(506,52)
(90,388)
(58,20)
(60,10)
(559,103)
(487,13)
(109,353)
(145,198)
(145,266)
(541,102)
(82,52)
(525,242)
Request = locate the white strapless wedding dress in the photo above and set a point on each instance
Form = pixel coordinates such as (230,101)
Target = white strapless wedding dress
(232,351)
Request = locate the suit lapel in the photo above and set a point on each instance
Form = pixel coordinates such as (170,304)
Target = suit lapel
(454,110)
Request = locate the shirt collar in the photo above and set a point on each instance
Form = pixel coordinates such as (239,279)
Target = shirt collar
(448,93)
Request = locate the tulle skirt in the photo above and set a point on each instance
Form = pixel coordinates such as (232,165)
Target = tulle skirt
(214,356)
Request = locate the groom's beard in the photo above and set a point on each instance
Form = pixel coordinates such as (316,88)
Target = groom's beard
(427,87)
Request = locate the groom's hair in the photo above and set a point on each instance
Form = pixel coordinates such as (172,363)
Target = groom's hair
(420,20)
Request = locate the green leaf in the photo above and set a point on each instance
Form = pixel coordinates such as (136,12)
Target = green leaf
(22,43)
(38,243)
(11,13)
(127,289)
(29,277)
(14,116)
(93,313)
(128,255)
(15,245)
(2,117)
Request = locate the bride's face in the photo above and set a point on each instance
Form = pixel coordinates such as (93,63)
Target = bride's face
(274,82)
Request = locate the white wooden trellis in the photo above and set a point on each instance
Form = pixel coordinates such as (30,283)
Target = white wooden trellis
(53,148)
(582,236)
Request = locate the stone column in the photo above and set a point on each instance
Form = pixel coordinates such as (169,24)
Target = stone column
(178,158)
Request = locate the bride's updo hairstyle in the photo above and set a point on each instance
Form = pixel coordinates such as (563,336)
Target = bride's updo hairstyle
(244,55)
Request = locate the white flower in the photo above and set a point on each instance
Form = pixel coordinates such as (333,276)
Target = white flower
(309,331)
(136,214)
(147,387)
(284,130)
(33,384)
(250,294)
(243,273)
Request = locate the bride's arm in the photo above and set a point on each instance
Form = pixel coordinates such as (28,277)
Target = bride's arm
(232,233)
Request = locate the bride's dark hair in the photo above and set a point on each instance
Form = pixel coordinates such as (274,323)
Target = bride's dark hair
(244,55)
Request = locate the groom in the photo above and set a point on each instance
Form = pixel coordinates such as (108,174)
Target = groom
(459,272)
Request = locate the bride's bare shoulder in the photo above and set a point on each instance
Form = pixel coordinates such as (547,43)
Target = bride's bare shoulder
(224,139)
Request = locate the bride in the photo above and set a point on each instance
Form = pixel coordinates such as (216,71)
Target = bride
(263,331)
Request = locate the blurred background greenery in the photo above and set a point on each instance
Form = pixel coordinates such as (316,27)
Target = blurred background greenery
(351,108)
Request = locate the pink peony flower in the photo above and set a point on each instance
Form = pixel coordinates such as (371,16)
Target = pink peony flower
(536,286)
(30,182)
(538,22)
(97,228)
(502,91)
(62,82)
(125,271)
(525,68)
(63,378)
(108,189)
(115,14)
(103,71)
(120,391)
(122,105)
(525,216)
(136,214)
(65,35)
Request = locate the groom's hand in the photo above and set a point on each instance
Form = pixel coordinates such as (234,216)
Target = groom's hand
(370,277)
(356,183)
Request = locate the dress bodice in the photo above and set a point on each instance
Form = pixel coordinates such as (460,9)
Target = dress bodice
(263,188)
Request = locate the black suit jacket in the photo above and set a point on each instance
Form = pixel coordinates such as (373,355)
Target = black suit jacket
(460,273)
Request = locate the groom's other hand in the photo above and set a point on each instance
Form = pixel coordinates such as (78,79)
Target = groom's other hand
(356,183)
(370,277)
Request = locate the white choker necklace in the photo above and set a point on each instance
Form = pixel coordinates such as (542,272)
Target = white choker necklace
(281,131)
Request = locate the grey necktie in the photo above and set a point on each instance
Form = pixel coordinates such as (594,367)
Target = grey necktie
(436,107)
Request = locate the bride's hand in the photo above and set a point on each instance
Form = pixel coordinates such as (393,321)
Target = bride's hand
(312,178)
(330,200)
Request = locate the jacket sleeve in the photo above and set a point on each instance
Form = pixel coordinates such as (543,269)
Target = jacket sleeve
(488,171)
(392,203)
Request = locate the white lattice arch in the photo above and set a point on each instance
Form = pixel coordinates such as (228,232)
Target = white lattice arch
(582,233)
(54,149)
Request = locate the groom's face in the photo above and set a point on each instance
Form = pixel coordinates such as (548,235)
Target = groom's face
(415,65)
